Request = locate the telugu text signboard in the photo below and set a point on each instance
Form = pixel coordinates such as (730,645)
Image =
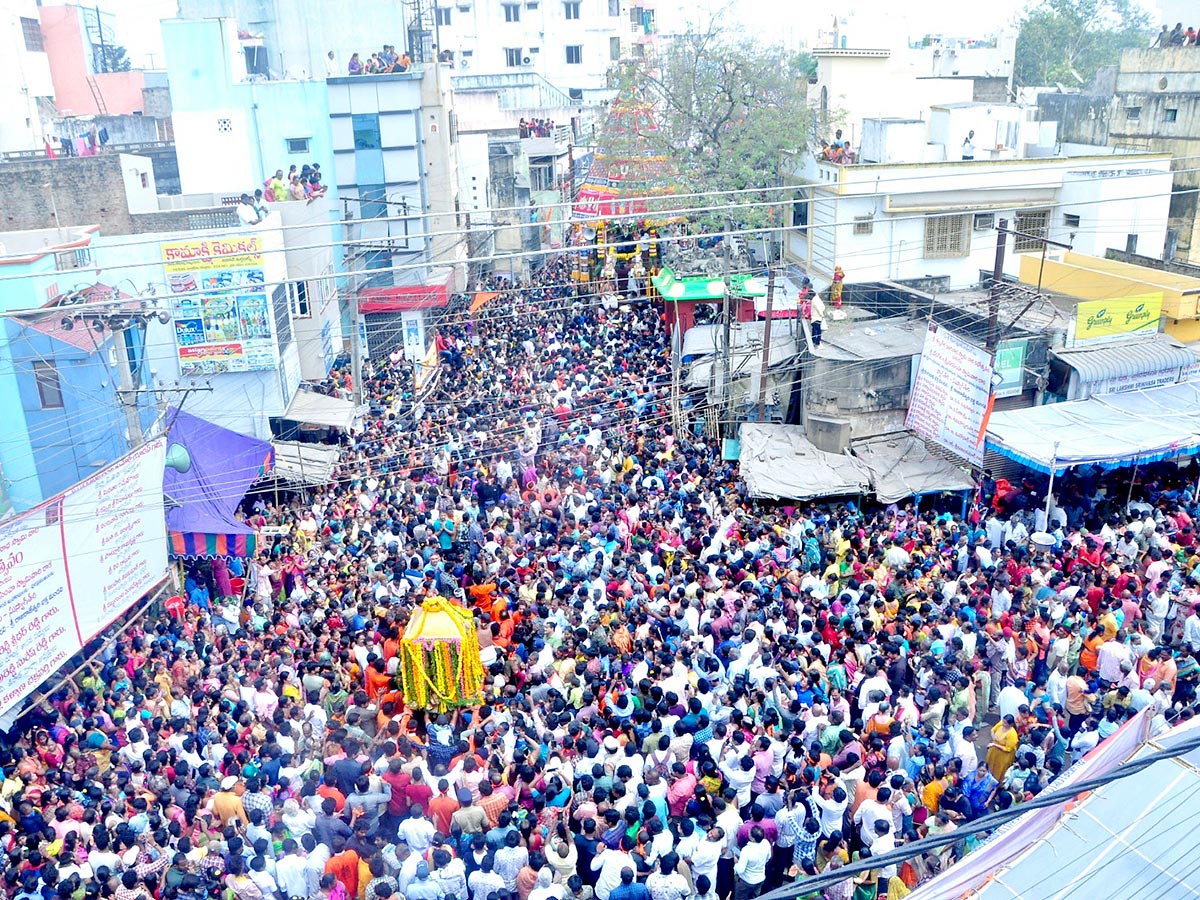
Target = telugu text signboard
(951,395)
(71,566)
(219,303)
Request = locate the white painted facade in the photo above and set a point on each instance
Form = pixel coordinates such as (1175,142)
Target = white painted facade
(573,44)
(24,76)
(919,219)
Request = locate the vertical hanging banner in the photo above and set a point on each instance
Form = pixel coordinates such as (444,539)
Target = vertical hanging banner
(951,396)
(73,565)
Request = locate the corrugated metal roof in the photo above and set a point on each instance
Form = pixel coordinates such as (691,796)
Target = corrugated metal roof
(1124,360)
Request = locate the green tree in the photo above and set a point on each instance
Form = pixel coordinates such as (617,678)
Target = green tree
(1066,41)
(112,58)
(726,106)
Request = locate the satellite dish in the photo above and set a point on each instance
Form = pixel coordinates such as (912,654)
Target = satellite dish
(178,458)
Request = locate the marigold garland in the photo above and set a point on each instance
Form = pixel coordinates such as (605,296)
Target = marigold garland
(441,661)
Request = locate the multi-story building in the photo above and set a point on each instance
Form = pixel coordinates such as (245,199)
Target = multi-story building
(854,83)
(60,378)
(26,88)
(1149,103)
(573,44)
(910,207)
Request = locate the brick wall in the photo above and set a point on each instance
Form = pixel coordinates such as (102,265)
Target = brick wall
(83,191)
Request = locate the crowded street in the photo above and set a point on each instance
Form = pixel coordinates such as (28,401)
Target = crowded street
(686,693)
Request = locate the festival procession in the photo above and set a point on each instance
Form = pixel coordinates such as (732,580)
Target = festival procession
(608,493)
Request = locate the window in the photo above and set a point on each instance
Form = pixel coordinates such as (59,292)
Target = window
(145,179)
(614,48)
(72,259)
(541,178)
(283,322)
(575,54)
(614,7)
(984,221)
(1033,222)
(1071,220)
(1133,113)
(864,225)
(1170,115)
(297,145)
(800,210)
(298,299)
(45,374)
(32,29)
(442,15)
(571,9)
(366,131)
(512,12)
(946,237)
(372,201)
(512,57)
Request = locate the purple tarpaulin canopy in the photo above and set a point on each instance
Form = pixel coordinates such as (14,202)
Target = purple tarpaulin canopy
(202,500)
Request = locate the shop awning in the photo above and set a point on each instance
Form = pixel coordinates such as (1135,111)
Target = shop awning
(311,408)
(401,298)
(901,466)
(702,289)
(779,463)
(1111,430)
(203,498)
(300,463)
(1129,365)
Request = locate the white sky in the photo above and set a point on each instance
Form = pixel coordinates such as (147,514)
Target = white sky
(137,20)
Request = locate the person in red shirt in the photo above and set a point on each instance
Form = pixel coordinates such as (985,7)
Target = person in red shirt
(443,807)
(417,792)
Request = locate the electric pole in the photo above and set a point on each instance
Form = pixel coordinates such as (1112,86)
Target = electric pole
(126,393)
(993,325)
(727,324)
(766,351)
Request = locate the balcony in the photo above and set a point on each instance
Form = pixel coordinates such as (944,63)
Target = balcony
(555,145)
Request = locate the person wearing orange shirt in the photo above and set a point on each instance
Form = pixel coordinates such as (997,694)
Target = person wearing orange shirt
(343,866)
(377,680)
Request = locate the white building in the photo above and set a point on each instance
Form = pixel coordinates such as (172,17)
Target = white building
(573,44)
(855,83)
(24,76)
(920,210)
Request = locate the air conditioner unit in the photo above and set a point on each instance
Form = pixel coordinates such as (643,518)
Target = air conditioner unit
(526,61)
(464,63)
(464,5)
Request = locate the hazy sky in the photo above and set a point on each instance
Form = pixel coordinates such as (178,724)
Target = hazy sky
(137,20)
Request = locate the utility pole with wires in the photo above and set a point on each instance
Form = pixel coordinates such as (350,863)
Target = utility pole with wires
(996,289)
(726,324)
(766,350)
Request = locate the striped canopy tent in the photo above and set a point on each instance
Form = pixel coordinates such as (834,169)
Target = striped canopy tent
(203,496)
(440,666)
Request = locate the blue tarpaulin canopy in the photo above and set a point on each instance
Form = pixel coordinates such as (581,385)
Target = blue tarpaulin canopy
(1110,430)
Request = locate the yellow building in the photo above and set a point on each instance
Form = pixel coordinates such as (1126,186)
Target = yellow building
(1118,299)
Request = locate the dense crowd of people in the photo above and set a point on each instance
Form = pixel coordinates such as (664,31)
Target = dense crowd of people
(688,694)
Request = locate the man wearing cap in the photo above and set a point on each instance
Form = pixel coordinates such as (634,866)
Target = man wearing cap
(422,887)
(227,805)
(468,817)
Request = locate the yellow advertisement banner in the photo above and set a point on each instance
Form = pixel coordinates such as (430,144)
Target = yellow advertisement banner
(199,255)
(1138,314)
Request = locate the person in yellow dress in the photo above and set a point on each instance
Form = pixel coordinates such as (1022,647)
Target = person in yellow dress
(1002,749)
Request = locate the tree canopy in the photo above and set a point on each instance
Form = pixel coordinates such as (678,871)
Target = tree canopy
(1066,41)
(725,105)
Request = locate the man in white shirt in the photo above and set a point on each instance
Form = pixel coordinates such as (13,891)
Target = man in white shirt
(610,863)
(751,865)
(289,872)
